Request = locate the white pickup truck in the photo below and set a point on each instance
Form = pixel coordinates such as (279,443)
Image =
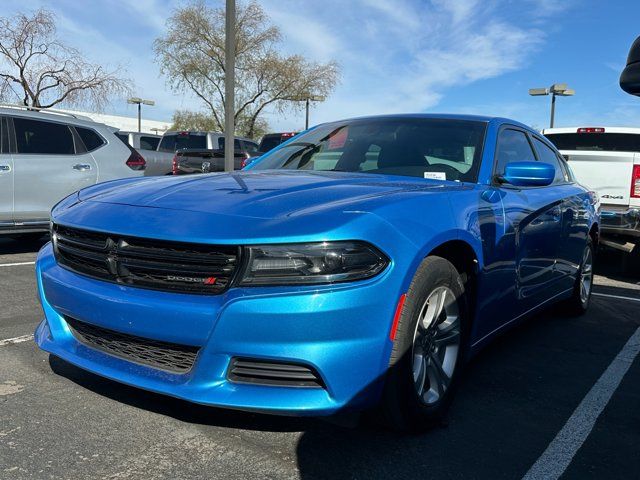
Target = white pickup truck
(607,160)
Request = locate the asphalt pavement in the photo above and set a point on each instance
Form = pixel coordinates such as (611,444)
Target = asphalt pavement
(553,381)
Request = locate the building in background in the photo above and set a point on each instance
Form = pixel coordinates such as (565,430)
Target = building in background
(125,123)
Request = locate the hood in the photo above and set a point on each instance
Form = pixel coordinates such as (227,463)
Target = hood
(264,194)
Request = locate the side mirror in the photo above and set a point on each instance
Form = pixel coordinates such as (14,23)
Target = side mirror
(529,174)
(630,77)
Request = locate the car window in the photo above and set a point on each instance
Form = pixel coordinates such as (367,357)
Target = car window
(149,143)
(250,147)
(90,138)
(178,141)
(236,144)
(513,146)
(591,141)
(547,155)
(269,142)
(34,136)
(124,137)
(443,149)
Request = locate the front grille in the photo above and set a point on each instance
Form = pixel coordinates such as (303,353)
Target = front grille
(243,370)
(146,263)
(172,357)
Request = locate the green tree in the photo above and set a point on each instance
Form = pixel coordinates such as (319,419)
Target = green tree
(191,55)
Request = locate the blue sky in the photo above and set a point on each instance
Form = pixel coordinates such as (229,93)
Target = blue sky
(468,56)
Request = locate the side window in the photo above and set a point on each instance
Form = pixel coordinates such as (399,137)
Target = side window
(250,147)
(513,146)
(547,155)
(149,143)
(34,136)
(4,136)
(90,138)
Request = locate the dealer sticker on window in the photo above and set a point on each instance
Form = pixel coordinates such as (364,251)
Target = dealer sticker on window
(435,175)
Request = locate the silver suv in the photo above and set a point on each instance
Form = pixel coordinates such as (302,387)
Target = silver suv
(46,155)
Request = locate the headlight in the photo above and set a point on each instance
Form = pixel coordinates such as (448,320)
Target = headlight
(311,263)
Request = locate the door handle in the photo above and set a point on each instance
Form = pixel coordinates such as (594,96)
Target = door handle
(83,167)
(5,168)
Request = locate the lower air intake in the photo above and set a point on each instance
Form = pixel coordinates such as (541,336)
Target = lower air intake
(258,372)
(167,356)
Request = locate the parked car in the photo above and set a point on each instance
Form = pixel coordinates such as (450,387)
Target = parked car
(272,140)
(607,160)
(138,140)
(160,162)
(45,155)
(205,161)
(358,266)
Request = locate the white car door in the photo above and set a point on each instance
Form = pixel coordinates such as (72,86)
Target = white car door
(6,177)
(47,167)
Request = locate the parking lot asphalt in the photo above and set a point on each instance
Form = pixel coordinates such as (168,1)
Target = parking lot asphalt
(525,390)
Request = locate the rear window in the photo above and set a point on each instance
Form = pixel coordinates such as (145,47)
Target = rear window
(607,142)
(124,137)
(34,136)
(90,138)
(179,141)
(269,142)
(149,143)
(236,144)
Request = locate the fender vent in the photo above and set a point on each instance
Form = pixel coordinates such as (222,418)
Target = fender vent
(258,372)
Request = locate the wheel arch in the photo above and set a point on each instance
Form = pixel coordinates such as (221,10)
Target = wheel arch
(465,260)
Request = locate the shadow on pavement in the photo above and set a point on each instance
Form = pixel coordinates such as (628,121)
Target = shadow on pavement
(514,398)
(28,244)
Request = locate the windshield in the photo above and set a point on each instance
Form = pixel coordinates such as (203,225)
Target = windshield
(440,149)
(607,142)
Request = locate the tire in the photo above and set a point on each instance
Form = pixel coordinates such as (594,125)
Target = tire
(424,369)
(580,298)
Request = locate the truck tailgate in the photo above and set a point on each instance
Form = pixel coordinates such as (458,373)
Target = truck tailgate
(608,173)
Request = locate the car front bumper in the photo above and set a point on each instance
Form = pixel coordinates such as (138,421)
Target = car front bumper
(341,331)
(620,221)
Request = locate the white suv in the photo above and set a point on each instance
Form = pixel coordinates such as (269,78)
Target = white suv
(46,155)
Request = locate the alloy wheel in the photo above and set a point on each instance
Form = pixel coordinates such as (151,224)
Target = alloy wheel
(436,343)
(586,275)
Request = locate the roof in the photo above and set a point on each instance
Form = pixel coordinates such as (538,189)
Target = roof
(606,129)
(55,115)
(444,116)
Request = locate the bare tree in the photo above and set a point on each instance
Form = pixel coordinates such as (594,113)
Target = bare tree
(191,55)
(39,71)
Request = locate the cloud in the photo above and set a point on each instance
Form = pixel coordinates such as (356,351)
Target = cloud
(404,56)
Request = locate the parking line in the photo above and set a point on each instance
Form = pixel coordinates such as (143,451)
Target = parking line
(11,341)
(16,264)
(560,452)
(616,296)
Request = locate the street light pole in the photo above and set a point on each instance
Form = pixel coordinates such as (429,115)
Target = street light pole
(229,85)
(140,101)
(557,89)
(306,118)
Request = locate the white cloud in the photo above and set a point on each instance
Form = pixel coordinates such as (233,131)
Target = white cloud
(404,56)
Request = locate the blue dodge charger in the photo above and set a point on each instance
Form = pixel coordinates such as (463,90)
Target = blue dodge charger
(357,266)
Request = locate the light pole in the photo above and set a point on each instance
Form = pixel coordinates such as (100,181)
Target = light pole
(307,99)
(557,89)
(229,84)
(140,101)
(310,98)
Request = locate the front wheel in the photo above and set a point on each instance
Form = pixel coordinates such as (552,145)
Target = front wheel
(428,348)
(578,303)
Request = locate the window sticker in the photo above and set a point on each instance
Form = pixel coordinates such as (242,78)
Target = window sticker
(435,175)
